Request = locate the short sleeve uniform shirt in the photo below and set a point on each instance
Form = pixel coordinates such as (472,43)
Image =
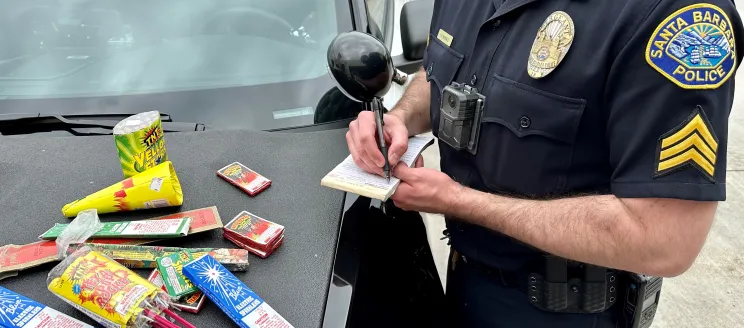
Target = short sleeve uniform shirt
(625,97)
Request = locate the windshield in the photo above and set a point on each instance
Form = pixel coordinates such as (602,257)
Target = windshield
(210,61)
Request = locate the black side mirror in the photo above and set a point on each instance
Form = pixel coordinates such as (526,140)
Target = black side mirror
(415,19)
(362,66)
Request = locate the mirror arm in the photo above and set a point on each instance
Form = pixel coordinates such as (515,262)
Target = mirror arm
(407,66)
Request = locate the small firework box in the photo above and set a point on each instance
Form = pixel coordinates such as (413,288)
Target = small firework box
(231,295)
(170,269)
(192,303)
(244,178)
(14,258)
(145,257)
(170,228)
(260,252)
(256,234)
(19,311)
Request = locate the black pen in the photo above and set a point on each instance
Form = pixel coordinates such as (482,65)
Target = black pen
(377,109)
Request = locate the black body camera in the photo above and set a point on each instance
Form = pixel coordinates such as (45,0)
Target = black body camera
(460,116)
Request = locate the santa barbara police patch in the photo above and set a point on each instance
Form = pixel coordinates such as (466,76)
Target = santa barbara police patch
(694,47)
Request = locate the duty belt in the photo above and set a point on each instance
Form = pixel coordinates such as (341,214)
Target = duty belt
(584,288)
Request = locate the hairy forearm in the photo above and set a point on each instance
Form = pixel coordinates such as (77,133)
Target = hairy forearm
(599,230)
(413,106)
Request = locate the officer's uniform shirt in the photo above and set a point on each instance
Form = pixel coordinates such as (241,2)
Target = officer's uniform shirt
(638,107)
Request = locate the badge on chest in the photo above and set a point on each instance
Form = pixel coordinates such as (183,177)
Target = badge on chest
(553,40)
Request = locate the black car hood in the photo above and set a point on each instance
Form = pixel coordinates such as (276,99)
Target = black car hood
(39,175)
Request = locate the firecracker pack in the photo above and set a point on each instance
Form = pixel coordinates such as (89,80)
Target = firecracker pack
(254,233)
(109,293)
(14,258)
(176,284)
(244,178)
(191,303)
(232,296)
(18,311)
(144,257)
(170,228)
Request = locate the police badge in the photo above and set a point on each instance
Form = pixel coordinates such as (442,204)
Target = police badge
(553,40)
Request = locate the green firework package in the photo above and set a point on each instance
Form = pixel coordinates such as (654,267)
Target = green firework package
(139,140)
(168,228)
(192,303)
(175,282)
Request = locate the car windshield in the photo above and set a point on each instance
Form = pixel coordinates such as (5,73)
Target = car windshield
(225,63)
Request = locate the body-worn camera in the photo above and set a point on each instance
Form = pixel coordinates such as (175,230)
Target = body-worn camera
(643,293)
(460,116)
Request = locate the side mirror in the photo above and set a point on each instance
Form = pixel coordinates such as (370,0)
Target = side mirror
(415,20)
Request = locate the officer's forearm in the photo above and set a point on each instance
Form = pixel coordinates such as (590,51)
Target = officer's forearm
(660,237)
(413,106)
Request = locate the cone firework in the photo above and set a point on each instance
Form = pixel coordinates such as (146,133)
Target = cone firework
(156,187)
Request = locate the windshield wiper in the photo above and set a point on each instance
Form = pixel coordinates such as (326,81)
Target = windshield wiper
(16,124)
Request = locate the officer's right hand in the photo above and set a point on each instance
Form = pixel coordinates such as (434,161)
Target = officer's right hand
(362,141)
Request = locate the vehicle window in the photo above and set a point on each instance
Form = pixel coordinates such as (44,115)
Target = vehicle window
(97,47)
(377,10)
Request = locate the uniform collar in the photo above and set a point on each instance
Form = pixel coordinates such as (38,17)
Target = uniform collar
(504,7)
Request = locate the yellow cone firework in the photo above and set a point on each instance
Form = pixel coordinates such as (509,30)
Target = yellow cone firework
(156,187)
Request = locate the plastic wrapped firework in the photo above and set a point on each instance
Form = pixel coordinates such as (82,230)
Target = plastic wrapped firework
(109,293)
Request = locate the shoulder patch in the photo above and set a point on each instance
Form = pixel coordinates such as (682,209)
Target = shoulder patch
(692,143)
(694,47)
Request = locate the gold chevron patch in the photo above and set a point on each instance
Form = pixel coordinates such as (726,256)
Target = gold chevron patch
(692,143)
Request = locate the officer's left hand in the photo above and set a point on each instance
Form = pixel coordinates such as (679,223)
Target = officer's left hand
(423,189)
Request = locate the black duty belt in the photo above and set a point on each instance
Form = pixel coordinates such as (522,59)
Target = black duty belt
(559,285)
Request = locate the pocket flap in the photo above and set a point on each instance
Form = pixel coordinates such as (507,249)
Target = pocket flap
(441,62)
(526,110)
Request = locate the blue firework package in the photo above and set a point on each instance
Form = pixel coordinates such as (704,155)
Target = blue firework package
(231,295)
(19,311)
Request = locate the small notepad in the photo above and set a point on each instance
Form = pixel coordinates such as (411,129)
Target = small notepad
(348,177)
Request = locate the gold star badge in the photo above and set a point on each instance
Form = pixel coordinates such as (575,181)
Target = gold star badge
(553,40)
(692,143)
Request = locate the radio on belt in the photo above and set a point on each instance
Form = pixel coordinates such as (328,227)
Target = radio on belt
(642,300)
(460,116)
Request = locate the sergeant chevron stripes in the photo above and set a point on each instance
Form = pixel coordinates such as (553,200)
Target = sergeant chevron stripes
(692,143)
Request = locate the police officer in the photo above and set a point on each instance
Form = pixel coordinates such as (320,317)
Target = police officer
(602,144)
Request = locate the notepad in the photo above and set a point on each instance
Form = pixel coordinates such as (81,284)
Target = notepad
(348,177)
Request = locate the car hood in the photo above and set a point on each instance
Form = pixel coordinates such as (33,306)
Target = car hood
(50,172)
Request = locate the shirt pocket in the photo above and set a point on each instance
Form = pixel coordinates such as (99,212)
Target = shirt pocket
(527,138)
(440,64)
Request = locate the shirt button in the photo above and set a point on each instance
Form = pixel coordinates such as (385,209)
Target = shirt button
(524,122)
(430,69)
(473,80)
(496,24)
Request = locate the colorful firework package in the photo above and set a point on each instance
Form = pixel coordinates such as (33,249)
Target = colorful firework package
(256,234)
(170,228)
(14,258)
(170,269)
(154,188)
(192,303)
(109,293)
(19,311)
(144,257)
(139,139)
(244,178)
(232,296)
